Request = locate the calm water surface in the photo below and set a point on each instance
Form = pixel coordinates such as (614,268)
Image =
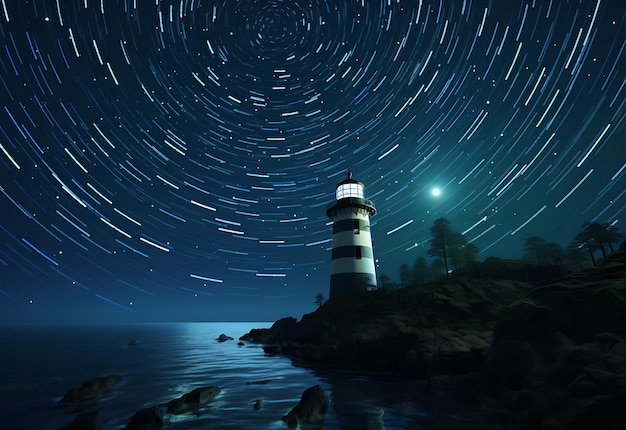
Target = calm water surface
(38,364)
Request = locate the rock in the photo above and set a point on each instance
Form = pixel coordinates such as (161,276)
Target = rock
(310,409)
(223,338)
(257,405)
(240,343)
(145,419)
(90,392)
(266,335)
(192,400)
(87,421)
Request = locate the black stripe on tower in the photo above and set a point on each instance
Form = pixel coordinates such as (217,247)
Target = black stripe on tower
(348,283)
(355,225)
(352,252)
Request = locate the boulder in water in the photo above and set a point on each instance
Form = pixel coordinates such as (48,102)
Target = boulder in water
(310,409)
(90,392)
(145,419)
(223,338)
(192,400)
(87,421)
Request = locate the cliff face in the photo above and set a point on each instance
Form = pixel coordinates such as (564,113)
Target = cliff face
(555,353)
(420,332)
(558,358)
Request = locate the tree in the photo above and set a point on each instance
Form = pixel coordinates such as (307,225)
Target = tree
(556,252)
(405,274)
(386,282)
(437,267)
(420,267)
(470,255)
(455,249)
(582,239)
(319,299)
(603,234)
(535,245)
(575,255)
(441,234)
(596,231)
(612,235)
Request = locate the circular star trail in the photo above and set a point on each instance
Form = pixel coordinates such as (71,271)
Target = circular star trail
(173,159)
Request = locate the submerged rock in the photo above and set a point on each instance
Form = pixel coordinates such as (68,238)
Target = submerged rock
(310,409)
(261,382)
(133,342)
(223,338)
(257,404)
(145,419)
(192,400)
(90,392)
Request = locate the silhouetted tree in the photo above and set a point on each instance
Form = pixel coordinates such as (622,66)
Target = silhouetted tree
(582,239)
(456,242)
(603,233)
(319,299)
(441,234)
(437,267)
(575,254)
(470,255)
(556,252)
(405,274)
(613,235)
(597,232)
(386,282)
(535,245)
(420,267)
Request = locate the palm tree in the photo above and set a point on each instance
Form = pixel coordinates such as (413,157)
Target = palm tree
(575,254)
(596,231)
(583,239)
(612,234)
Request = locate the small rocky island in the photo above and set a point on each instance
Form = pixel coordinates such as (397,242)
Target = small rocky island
(552,352)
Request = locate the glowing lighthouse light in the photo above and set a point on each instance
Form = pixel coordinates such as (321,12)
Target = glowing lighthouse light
(352,267)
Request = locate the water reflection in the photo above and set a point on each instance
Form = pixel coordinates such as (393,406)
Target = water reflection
(377,401)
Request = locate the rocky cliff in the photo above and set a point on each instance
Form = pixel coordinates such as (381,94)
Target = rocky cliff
(554,353)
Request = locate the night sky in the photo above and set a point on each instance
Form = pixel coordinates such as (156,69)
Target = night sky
(172,160)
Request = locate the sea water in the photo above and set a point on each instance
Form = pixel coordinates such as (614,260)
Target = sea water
(40,363)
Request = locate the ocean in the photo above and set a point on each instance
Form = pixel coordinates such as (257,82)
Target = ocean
(40,363)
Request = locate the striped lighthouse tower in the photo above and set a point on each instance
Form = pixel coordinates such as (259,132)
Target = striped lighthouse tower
(352,266)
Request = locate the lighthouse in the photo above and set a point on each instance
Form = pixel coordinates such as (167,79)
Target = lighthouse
(352,266)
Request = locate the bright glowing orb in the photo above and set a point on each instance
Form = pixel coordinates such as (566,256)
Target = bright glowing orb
(436,192)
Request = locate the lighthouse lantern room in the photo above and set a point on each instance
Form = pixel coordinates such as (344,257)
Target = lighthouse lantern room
(352,267)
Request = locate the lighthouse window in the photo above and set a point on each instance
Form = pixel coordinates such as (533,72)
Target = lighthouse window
(357,250)
(349,190)
(355,226)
